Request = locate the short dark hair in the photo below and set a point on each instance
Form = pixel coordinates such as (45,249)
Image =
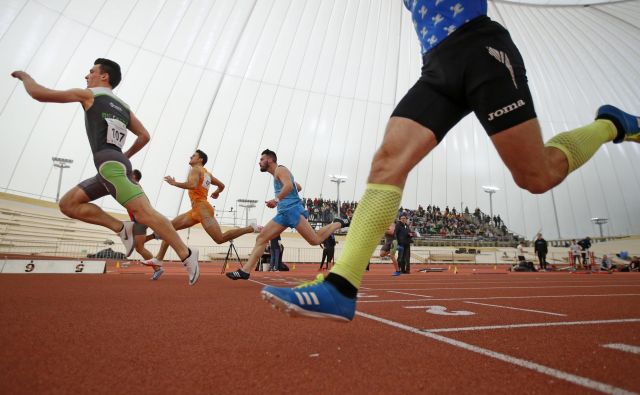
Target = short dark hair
(137,174)
(112,68)
(202,156)
(270,154)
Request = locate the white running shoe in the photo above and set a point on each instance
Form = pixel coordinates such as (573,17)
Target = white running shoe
(153,262)
(193,268)
(256,228)
(126,235)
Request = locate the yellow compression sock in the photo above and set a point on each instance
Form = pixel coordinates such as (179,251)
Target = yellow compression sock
(376,210)
(580,144)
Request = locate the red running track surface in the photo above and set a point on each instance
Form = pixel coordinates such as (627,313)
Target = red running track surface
(534,333)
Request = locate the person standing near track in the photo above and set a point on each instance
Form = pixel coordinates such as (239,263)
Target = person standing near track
(107,120)
(389,248)
(291,214)
(197,185)
(403,235)
(541,249)
(470,63)
(328,250)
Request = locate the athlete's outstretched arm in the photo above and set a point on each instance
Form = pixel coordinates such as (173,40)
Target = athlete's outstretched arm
(191,183)
(43,94)
(218,184)
(141,133)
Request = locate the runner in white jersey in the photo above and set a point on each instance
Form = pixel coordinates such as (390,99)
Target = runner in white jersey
(108,120)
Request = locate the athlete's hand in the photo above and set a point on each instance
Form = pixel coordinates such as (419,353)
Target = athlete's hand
(170,180)
(215,194)
(271,203)
(19,74)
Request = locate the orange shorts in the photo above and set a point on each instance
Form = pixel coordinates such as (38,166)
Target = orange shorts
(200,209)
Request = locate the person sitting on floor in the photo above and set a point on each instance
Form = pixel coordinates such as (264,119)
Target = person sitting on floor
(606,265)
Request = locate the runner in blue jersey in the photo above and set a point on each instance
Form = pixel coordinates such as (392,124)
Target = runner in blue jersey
(470,63)
(291,214)
(107,122)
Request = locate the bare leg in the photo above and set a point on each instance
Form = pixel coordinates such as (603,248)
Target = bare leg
(521,146)
(146,254)
(212,228)
(75,204)
(182,221)
(315,237)
(391,255)
(270,230)
(145,214)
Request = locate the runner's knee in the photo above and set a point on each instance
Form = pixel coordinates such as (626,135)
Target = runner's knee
(534,182)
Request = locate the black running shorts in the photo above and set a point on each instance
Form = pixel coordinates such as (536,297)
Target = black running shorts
(478,68)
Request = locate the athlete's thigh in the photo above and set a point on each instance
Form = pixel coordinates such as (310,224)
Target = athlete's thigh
(183,221)
(86,191)
(521,147)
(306,231)
(271,230)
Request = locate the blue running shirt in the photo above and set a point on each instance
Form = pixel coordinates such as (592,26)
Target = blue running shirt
(435,20)
(292,199)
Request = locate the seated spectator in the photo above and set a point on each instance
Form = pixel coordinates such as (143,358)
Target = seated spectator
(634,265)
(606,265)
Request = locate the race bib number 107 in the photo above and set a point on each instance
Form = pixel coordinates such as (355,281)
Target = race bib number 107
(116,132)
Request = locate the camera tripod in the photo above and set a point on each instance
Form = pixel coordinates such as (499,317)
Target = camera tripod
(232,247)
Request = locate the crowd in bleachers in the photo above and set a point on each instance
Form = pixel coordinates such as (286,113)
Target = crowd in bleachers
(324,210)
(429,222)
(453,224)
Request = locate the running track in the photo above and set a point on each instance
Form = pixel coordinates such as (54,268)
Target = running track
(548,333)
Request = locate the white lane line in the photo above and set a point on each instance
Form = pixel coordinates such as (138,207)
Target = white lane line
(623,347)
(572,378)
(503,297)
(484,288)
(539,324)
(517,308)
(406,293)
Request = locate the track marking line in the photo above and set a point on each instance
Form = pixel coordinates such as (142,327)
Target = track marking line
(572,378)
(517,308)
(501,297)
(440,310)
(539,324)
(623,347)
(485,288)
(406,293)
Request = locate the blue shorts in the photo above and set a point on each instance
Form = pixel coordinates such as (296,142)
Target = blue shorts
(290,217)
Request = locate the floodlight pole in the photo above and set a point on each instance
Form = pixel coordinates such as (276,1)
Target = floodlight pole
(490,190)
(338,179)
(60,163)
(247,204)
(600,222)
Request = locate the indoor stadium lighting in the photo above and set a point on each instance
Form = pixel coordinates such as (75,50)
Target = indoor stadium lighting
(600,222)
(61,163)
(247,204)
(490,190)
(338,179)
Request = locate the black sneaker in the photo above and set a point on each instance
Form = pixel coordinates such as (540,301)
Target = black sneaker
(238,275)
(344,223)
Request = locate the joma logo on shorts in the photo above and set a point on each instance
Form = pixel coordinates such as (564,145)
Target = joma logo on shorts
(506,109)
